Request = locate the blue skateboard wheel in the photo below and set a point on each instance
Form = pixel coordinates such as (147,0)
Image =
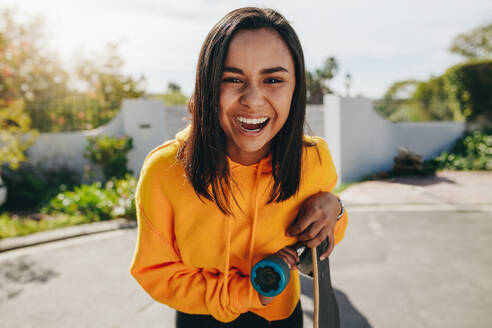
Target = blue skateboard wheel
(270,276)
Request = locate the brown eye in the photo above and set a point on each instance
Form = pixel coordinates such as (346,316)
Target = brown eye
(231,80)
(273,80)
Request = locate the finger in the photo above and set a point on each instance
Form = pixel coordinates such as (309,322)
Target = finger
(288,258)
(293,252)
(329,248)
(302,221)
(312,231)
(291,258)
(284,258)
(318,239)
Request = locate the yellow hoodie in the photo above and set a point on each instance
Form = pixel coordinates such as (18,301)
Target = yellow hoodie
(195,259)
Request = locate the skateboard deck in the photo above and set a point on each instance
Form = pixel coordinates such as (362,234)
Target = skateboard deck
(328,307)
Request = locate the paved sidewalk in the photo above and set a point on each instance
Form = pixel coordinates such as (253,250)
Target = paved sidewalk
(448,190)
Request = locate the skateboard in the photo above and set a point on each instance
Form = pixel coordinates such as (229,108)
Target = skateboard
(270,276)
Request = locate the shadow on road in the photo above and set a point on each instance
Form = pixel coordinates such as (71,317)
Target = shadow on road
(350,317)
(21,271)
(421,181)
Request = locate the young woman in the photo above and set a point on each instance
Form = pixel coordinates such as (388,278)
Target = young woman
(239,184)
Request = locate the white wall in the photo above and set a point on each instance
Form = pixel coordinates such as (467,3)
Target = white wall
(363,142)
(360,140)
(331,118)
(314,120)
(67,148)
(150,124)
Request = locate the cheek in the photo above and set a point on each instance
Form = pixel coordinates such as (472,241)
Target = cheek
(226,99)
(283,101)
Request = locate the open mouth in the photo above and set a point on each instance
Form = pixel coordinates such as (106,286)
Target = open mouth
(252,125)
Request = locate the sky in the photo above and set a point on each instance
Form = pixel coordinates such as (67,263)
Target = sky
(377,42)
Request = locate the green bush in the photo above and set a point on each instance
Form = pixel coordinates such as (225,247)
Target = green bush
(91,201)
(115,199)
(471,152)
(469,84)
(32,186)
(125,190)
(111,154)
(461,94)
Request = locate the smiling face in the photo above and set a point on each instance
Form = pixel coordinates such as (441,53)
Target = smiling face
(256,93)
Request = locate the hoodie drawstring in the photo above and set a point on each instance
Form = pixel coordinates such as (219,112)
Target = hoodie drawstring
(228,258)
(253,228)
(225,283)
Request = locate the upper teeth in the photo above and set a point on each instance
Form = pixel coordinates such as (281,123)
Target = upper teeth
(252,120)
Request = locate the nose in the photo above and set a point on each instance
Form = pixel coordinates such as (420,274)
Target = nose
(252,97)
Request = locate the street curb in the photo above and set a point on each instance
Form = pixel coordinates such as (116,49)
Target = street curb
(64,233)
(417,207)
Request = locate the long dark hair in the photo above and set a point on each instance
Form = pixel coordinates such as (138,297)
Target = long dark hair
(204,152)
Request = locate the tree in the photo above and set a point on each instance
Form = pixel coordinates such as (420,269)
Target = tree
(395,103)
(103,78)
(317,81)
(173,87)
(173,95)
(16,135)
(434,99)
(462,93)
(28,70)
(476,44)
(469,86)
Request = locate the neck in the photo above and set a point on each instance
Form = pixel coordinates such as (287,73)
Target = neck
(247,158)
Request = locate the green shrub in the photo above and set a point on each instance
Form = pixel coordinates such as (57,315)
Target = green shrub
(469,84)
(125,191)
(115,199)
(461,94)
(111,154)
(32,186)
(471,152)
(91,201)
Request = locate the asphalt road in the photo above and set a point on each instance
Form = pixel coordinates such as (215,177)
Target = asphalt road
(393,269)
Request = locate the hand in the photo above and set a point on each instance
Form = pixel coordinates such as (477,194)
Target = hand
(316,221)
(289,255)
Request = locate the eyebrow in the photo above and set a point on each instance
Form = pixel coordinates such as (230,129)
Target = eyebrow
(263,71)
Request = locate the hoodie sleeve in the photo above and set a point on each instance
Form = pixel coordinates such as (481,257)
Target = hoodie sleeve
(160,271)
(329,178)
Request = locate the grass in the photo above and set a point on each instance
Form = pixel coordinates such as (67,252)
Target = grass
(342,187)
(15,226)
